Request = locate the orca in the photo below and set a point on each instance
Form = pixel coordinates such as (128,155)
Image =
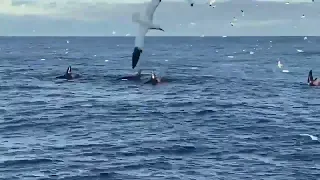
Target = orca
(311,81)
(68,75)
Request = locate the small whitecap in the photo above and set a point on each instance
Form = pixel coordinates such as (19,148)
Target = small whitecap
(194,68)
(244,50)
(217,51)
(106,60)
(42,59)
(305,38)
(67,49)
(153,54)
(270,41)
(118,45)
(314,138)
(285,71)
(67,42)
(86,105)
(299,50)
(251,52)
(95,55)
(224,36)
(67,52)
(230,56)
(166,60)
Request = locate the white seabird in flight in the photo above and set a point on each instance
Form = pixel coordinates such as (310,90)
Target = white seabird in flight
(145,22)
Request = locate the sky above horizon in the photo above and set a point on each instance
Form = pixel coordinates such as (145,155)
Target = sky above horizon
(176,17)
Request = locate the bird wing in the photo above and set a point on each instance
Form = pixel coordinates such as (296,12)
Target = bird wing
(139,40)
(212,1)
(150,9)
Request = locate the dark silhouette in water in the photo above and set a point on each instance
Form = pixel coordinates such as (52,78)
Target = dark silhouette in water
(311,81)
(135,77)
(69,75)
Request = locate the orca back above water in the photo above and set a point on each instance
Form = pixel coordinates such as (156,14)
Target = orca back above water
(136,77)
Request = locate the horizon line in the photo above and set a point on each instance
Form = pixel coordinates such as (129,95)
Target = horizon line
(96,36)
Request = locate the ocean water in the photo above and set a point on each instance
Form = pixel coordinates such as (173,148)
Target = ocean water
(224,113)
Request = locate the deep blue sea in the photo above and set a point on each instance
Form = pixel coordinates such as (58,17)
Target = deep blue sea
(223,114)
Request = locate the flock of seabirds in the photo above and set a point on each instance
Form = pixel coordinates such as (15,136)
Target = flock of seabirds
(145,23)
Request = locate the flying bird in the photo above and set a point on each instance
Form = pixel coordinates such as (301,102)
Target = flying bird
(190,2)
(145,22)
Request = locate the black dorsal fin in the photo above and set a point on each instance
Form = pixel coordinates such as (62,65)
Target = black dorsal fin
(68,70)
(310,77)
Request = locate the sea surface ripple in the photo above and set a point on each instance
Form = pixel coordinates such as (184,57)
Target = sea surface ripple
(225,113)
